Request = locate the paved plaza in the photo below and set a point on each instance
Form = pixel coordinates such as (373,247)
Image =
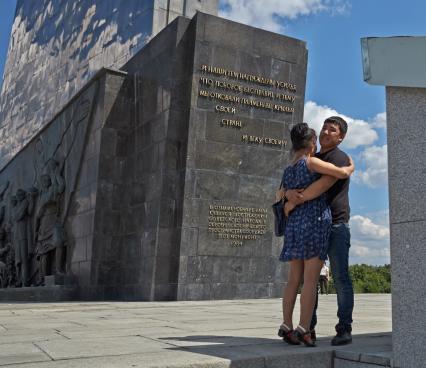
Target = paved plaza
(232,333)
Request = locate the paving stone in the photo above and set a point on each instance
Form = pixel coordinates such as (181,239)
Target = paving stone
(79,348)
(21,353)
(202,334)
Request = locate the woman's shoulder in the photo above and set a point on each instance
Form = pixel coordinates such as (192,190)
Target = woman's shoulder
(296,168)
(301,162)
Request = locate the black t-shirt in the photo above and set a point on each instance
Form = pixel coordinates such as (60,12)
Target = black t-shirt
(338,194)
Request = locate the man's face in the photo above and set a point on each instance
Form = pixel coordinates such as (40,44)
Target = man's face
(330,135)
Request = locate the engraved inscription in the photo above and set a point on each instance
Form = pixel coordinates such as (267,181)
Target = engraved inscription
(263,140)
(237,223)
(229,93)
(247,77)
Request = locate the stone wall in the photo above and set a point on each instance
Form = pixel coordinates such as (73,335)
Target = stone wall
(236,155)
(57,46)
(406,116)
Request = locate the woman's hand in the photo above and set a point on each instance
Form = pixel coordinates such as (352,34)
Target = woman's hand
(279,194)
(349,169)
(288,207)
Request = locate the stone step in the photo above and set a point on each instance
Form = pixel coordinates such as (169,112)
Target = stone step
(55,293)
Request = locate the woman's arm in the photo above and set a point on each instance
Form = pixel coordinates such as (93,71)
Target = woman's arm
(326,168)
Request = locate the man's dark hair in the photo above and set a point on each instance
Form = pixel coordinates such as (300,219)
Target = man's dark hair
(337,120)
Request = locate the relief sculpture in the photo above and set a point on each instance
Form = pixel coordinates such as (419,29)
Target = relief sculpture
(50,242)
(7,259)
(22,234)
(35,204)
(7,252)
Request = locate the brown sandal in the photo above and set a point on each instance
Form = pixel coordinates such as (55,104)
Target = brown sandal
(304,336)
(288,335)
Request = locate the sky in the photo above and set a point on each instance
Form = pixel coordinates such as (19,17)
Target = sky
(332,30)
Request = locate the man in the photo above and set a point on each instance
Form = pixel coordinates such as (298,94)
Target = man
(332,134)
(323,279)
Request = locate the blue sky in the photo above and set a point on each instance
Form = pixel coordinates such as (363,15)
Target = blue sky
(7,12)
(332,30)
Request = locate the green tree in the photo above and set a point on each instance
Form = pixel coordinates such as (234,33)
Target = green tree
(368,279)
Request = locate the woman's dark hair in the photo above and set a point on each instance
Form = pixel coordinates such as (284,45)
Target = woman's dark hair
(301,136)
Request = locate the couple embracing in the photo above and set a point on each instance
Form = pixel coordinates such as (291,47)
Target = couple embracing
(315,190)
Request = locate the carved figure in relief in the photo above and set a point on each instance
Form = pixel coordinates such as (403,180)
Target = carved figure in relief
(50,239)
(3,189)
(22,235)
(7,259)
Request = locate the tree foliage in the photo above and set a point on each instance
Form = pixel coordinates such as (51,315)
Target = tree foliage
(368,279)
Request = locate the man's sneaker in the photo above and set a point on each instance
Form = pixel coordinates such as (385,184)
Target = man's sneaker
(313,335)
(342,338)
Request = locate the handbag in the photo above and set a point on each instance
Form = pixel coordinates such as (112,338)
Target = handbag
(280,221)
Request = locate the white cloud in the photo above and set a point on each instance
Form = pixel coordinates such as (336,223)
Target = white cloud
(365,229)
(360,132)
(268,14)
(370,239)
(375,160)
(379,121)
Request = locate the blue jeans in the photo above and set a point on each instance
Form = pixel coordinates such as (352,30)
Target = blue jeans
(338,253)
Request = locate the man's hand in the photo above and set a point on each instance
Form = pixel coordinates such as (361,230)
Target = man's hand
(295,196)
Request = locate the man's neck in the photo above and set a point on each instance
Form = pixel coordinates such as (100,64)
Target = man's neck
(327,149)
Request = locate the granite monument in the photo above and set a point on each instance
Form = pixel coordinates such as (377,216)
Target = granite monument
(155,180)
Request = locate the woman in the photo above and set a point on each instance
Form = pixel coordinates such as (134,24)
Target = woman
(306,233)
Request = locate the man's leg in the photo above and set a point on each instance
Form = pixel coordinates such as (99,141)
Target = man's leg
(321,282)
(338,253)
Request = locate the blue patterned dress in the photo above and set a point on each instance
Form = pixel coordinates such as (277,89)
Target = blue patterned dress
(308,226)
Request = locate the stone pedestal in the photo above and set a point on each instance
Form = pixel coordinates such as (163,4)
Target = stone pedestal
(65,280)
(56,293)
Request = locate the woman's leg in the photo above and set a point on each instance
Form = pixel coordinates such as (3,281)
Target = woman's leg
(290,291)
(312,268)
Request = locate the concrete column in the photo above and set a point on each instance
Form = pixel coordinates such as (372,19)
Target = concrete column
(406,116)
(398,63)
